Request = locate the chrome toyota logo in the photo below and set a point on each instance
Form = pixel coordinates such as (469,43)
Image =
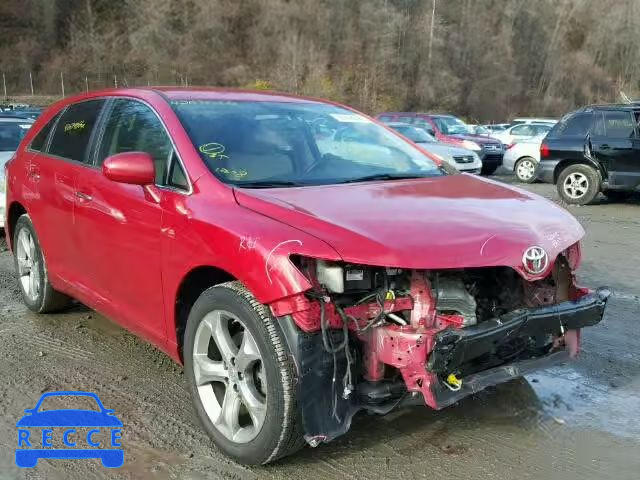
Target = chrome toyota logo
(535,260)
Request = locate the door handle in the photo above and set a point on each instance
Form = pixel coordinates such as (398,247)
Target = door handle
(84,196)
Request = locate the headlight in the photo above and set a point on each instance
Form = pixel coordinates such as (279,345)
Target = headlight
(471,145)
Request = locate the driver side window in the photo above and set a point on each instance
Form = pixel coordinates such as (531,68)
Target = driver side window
(133,127)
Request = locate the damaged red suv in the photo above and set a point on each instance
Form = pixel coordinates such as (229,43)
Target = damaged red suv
(303,261)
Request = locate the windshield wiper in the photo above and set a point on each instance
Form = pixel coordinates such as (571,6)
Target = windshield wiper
(268,184)
(383,176)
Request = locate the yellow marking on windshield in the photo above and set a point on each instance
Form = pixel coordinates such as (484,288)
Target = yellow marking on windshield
(231,173)
(214,151)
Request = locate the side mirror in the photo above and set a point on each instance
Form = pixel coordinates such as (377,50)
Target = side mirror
(135,168)
(431,131)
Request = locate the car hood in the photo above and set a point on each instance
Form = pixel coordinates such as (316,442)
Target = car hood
(444,222)
(69,418)
(444,149)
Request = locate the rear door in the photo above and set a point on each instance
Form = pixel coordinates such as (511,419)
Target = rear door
(59,153)
(613,139)
(119,225)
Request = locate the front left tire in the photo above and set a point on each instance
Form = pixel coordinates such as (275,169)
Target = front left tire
(30,265)
(241,376)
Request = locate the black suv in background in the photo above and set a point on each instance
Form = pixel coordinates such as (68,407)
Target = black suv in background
(592,150)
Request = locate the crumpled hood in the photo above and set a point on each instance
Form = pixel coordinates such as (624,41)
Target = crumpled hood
(443,222)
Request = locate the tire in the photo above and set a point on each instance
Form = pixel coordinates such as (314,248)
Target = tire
(525,170)
(616,195)
(578,184)
(488,169)
(217,372)
(37,292)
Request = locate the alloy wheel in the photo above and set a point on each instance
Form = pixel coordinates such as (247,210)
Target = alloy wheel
(525,170)
(576,185)
(28,266)
(229,376)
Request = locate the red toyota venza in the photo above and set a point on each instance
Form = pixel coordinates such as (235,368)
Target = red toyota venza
(303,261)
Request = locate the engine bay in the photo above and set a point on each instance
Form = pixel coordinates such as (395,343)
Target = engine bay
(375,337)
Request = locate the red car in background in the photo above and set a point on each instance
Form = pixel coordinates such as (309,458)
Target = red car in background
(450,129)
(303,261)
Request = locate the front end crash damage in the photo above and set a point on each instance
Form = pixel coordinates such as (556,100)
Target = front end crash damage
(368,338)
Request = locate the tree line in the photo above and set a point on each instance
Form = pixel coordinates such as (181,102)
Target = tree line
(487,60)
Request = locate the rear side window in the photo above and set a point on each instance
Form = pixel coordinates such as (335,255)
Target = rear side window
(618,124)
(38,143)
(573,125)
(133,127)
(385,118)
(73,132)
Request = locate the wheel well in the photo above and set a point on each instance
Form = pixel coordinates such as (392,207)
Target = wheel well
(192,286)
(15,211)
(566,163)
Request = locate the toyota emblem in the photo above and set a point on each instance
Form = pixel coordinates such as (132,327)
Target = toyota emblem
(535,260)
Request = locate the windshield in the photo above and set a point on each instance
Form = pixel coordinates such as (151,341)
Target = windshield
(452,126)
(264,144)
(10,135)
(416,135)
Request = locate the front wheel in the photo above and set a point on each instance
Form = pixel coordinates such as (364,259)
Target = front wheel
(37,292)
(578,184)
(525,170)
(241,376)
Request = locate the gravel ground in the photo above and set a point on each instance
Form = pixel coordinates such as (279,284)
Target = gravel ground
(578,421)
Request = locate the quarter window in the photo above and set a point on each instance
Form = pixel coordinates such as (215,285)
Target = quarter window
(38,143)
(577,125)
(73,132)
(133,127)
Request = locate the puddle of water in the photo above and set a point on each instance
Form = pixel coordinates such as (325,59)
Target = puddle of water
(584,403)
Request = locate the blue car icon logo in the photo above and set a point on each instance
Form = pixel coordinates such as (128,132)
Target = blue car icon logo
(83,433)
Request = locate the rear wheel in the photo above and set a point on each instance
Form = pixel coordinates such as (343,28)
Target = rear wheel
(616,195)
(525,170)
(241,376)
(578,184)
(37,292)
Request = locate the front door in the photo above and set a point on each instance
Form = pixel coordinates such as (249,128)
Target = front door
(614,143)
(119,225)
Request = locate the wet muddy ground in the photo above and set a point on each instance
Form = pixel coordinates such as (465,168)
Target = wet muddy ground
(580,421)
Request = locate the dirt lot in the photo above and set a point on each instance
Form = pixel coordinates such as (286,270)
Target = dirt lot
(579,421)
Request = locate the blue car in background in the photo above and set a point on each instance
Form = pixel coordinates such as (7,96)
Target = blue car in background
(112,456)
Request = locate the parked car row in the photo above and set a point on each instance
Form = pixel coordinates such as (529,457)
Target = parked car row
(451,130)
(20,111)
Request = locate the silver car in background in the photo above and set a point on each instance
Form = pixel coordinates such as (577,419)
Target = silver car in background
(522,158)
(12,130)
(466,161)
